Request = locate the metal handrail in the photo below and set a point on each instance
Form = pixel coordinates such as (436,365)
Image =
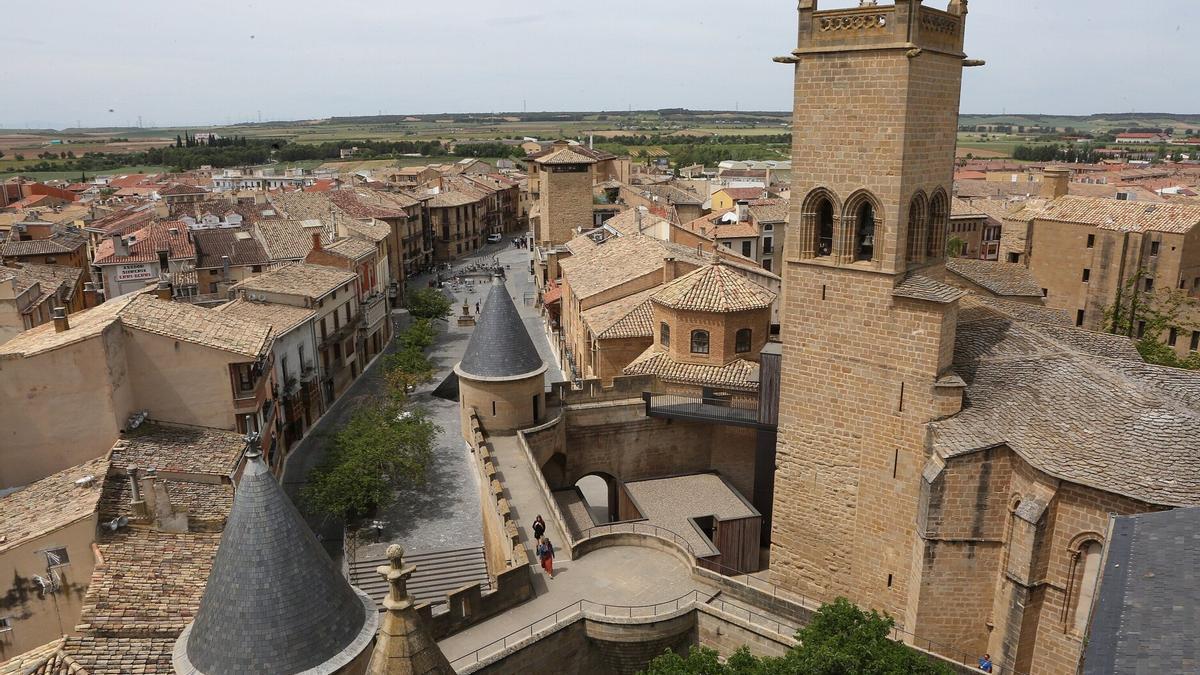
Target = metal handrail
(569,612)
(728,572)
(656,530)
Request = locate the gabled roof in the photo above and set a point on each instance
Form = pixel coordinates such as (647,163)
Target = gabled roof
(63,240)
(147,242)
(631,316)
(282,318)
(182,189)
(351,248)
(303,279)
(1078,405)
(197,325)
(236,242)
(284,239)
(713,288)
(500,346)
(274,602)
(1117,214)
(564,155)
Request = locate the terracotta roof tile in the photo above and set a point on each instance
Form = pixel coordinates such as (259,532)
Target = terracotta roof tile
(236,242)
(303,279)
(284,239)
(147,243)
(631,316)
(920,287)
(738,374)
(713,288)
(1116,214)
(197,325)
(282,318)
(50,503)
(178,449)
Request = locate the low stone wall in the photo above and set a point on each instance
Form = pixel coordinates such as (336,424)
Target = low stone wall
(644,540)
(508,562)
(546,432)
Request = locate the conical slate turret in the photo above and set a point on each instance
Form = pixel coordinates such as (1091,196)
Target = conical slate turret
(500,346)
(275,602)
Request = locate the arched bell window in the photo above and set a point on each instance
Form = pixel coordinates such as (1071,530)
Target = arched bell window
(864,241)
(825,228)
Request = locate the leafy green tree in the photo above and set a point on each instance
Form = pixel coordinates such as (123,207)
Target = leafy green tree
(406,369)
(418,336)
(382,447)
(429,303)
(841,639)
(954,247)
(1148,316)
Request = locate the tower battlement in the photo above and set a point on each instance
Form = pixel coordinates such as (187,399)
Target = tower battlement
(905,25)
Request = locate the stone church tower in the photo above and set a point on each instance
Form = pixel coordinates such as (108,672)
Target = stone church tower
(868,331)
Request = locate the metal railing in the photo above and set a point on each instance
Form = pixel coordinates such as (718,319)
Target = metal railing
(702,408)
(573,611)
(763,585)
(633,526)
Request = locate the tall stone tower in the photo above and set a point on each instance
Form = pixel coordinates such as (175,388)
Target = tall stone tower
(566,194)
(868,327)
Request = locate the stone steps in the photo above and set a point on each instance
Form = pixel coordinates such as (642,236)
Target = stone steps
(438,573)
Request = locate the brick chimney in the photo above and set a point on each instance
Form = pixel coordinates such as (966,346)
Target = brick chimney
(1056,182)
(59,314)
(316,236)
(89,295)
(670,270)
(743,210)
(164,290)
(120,248)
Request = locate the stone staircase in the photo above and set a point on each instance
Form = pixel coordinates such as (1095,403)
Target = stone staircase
(438,573)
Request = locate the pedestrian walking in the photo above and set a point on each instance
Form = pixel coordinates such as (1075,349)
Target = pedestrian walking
(548,556)
(477,307)
(539,527)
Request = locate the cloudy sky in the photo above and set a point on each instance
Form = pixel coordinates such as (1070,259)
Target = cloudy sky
(212,63)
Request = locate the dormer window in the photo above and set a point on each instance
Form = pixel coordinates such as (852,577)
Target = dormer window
(664,334)
(699,342)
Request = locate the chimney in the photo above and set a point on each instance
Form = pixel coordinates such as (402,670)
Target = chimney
(1056,182)
(136,503)
(743,210)
(225,268)
(59,314)
(316,236)
(669,270)
(164,290)
(89,295)
(120,248)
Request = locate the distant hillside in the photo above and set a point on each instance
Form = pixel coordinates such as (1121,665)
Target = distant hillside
(1097,122)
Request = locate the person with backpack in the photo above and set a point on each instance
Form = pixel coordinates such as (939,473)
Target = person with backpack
(546,556)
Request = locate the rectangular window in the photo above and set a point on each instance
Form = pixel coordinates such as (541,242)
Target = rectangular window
(1091,240)
(337,322)
(6,624)
(746,248)
(1148,283)
(347,312)
(1154,248)
(1045,292)
(1087,274)
(767,264)
(1014,257)
(729,244)
(1173,336)
(1195,340)
(1141,329)
(57,557)
(1079,318)
(768,245)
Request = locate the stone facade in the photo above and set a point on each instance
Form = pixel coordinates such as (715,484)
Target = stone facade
(566,202)
(875,139)
(503,405)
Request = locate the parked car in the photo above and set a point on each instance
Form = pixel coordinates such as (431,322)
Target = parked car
(493,238)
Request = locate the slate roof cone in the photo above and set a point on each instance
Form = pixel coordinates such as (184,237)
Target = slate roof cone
(500,346)
(405,646)
(275,602)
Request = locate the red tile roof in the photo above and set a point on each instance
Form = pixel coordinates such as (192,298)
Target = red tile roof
(148,241)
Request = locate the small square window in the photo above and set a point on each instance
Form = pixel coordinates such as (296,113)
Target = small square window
(1091,240)
(1148,283)
(1172,337)
(1014,257)
(1154,248)
(1087,274)
(56,557)
(1045,292)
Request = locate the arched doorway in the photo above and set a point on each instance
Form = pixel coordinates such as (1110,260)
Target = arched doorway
(599,492)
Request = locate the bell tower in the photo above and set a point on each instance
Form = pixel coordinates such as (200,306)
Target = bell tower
(868,331)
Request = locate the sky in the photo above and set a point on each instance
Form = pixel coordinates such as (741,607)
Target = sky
(201,63)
